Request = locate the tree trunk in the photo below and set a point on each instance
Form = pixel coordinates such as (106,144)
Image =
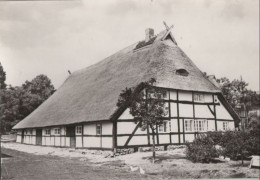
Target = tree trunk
(153,146)
(242,158)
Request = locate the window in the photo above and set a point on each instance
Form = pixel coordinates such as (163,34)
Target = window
(163,127)
(25,132)
(78,129)
(182,72)
(57,131)
(198,97)
(200,125)
(98,129)
(47,131)
(31,131)
(188,124)
(225,126)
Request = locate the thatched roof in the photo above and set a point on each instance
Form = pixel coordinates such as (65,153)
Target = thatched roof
(91,94)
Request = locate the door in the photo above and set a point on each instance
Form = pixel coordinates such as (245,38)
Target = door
(71,133)
(38,136)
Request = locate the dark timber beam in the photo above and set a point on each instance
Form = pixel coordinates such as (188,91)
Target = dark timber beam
(178,115)
(212,112)
(130,137)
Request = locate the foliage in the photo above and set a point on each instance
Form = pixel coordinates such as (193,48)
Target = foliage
(2,77)
(19,102)
(237,93)
(146,104)
(233,144)
(202,149)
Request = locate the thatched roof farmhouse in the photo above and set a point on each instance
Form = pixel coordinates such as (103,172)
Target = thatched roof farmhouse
(85,105)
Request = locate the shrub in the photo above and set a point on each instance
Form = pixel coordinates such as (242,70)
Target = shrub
(234,144)
(201,149)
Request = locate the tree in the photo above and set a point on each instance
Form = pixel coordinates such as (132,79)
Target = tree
(19,102)
(237,94)
(2,77)
(146,104)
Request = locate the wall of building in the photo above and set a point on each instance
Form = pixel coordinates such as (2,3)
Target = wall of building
(29,136)
(182,108)
(90,139)
(52,139)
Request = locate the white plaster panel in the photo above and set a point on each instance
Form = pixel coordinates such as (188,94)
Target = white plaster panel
(173,95)
(107,142)
(174,125)
(163,139)
(122,140)
(52,141)
(126,115)
(138,140)
(202,111)
(208,98)
(173,109)
(57,141)
(78,141)
(67,141)
(185,96)
(181,126)
(90,129)
(189,137)
(232,125)
(107,128)
(211,125)
(63,130)
(222,113)
(140,131)
(92,142)
(18,138)
(181,138)
(175,138)
(125,127)
(186,110)
(33,140)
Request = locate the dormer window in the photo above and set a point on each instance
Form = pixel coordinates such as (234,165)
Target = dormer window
(182,72)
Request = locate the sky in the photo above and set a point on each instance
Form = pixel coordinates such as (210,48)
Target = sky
(51,37)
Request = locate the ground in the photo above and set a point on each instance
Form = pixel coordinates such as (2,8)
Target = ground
(36,162)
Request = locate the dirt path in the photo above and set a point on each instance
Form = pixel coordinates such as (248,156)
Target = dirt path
(24,166)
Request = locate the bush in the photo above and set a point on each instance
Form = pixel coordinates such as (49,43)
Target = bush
(234,144)
(201,149)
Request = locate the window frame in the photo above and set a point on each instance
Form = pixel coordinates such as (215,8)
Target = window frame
(165,127)
(225,126)
(58,132)
(190,126)
(78,130)
(198,97)
(48,131)
(99,131)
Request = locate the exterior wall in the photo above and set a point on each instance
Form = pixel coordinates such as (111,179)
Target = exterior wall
(52,139)
(19,136)
(182,109)
(29,136)
(90,139)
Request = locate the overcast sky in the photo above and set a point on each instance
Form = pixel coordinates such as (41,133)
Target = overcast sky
(52,37)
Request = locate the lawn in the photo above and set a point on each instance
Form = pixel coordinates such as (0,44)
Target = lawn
(64,163)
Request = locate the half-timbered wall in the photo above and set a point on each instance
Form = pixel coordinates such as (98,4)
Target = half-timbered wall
(19,136)
(54,137)
(95,137)
(29,136)
(190,113)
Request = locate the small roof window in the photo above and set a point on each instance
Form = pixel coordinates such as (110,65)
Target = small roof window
(182,72)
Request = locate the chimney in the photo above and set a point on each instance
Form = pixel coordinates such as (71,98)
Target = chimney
(149,33)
